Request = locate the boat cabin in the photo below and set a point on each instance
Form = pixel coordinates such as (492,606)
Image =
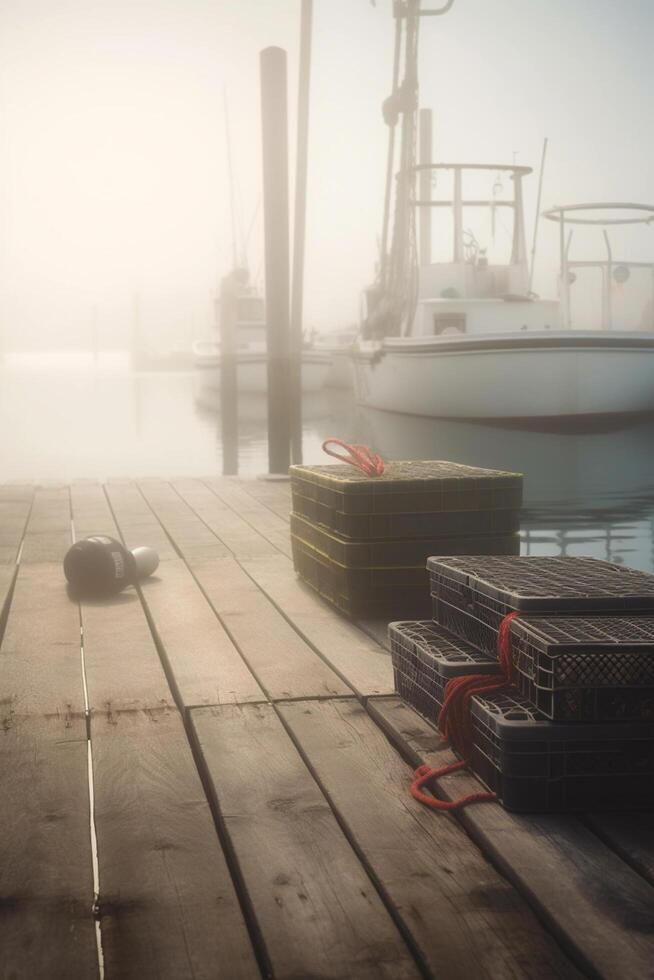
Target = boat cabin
(469,291)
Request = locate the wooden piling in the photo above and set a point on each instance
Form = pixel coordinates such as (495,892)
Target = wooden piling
(299,219)
(276,240)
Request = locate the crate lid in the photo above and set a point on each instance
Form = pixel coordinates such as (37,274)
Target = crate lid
(510,716)
(411,475)
(433,643)
(557,583)
(563,634)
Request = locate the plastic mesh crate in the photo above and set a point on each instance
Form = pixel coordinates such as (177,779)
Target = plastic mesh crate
(598,668)
(425,657)
(396,552)
(405,595)
(407,525)
(538,765)
(472,595)
(409,487)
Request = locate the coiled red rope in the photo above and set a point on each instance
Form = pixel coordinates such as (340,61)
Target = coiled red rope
(356,455)
(455,723)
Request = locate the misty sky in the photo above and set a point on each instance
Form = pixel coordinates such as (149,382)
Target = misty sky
(112,142)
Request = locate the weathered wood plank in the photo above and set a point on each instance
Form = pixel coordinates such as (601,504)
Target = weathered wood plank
(631,835)
(204,662)
(275,495)
(355,656)
(191,536)
(318,913)
(600,910)
(123,669)
(15,505)
(283,664)
(462,916)
(204,667)
(242,540)
(138,524)
(48,535)
(40,671)
(167,902)
(256,514)
(46,881)
(90,510)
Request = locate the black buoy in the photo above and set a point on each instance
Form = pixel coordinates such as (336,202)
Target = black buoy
(99,565)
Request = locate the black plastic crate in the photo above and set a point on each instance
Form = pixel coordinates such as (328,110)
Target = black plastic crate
(598,668)
(425,657)
(408,487)
(396,552)
(368,599)
(472,595)
(537,765)
(407,525)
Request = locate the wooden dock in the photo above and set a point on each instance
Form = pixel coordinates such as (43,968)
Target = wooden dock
(209,779)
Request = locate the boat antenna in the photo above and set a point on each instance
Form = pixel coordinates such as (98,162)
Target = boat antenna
(537,218)
(230,173)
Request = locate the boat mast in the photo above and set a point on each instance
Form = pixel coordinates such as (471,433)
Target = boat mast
(392,299)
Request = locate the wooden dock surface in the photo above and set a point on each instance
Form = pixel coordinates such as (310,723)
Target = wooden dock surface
(208,778)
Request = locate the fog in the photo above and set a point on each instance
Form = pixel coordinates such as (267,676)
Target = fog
(113,184)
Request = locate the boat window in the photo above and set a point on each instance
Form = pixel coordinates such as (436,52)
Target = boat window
(449,323)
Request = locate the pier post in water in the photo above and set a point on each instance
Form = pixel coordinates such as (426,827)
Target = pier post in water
(299,219)
(276,243)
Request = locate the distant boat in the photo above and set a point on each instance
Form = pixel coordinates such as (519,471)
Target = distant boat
(338,345)
(466,338)
(251,353)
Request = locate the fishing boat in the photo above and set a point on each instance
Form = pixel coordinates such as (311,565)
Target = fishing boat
(338,345)
(251,353)
(466,337)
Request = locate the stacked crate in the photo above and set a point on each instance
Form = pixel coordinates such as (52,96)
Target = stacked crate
(575,729)
(362,542)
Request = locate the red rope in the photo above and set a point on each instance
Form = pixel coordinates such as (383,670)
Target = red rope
(455,722)
(356,455)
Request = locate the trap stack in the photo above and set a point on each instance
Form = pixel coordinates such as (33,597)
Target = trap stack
(574,729)
(362,542)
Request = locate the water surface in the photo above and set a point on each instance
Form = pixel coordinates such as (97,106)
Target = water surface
(68,416)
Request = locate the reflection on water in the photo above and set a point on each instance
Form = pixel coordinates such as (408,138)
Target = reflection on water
(72,416)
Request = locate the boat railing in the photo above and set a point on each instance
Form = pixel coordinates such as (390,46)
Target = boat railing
(602,216)
(458,203)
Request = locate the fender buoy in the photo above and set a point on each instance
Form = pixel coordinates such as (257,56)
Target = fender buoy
(101,566)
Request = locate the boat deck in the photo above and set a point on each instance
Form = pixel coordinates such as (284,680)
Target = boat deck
(209,779)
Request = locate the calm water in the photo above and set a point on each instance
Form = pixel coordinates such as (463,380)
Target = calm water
(66,416)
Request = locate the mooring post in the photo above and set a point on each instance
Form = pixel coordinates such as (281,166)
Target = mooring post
(228,380)
(276,243)
(299,219)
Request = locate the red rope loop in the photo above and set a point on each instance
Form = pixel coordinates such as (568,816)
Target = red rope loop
(356,455)
(455,722)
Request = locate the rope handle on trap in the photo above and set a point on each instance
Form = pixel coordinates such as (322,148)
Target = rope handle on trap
(357,455)
(455,724)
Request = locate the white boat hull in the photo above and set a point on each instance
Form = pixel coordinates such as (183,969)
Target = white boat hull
(531,376)
(252,369)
